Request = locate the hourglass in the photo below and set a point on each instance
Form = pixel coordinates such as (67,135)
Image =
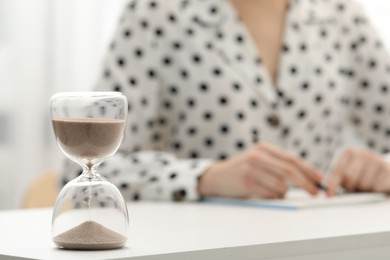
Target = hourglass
(90,212)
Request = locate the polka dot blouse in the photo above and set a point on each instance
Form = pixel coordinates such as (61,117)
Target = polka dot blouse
(198,90)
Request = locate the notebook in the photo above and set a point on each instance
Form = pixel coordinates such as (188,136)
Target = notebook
(299,199)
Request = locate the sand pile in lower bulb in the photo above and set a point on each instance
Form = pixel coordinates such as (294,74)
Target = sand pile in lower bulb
(90,235)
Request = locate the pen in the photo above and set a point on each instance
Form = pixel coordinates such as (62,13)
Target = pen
(321,187)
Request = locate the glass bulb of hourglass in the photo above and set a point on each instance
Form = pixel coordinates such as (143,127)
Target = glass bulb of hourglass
(90,212)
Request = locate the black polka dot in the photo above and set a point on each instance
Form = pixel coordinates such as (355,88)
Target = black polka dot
(208,116)
(375,126)
(184,74)
(133,81)
(223,100)
(177,145)
(285,132)
(190,32)
(124,185)
(194,154)
(371,144)
(191,102)
(153,179)
(236,86)
(112,45)
(222,156)
(326,112)
(240,145)
(387,132)
(179,195)
(285,48)
(305,85)
(239,39)
(144,24)
(151,73)
(364,84)
(159,32)
(167,104)
(384,89)
(209,45)
(127,33)
(378,108)
(197,59)
(372,64)
(318,98)
(217,72)
(340,7)
(220,35)
(239,57)
(173,90)
(301,114)
(318,71)
(162,121)
(167,61)
(121,62)
(253,103)
(203,87)
(117,88)
(293,70)
(138,52)
(107,73)
(152,4)
(224,129)
(156,137)
(259,80)
(208,142)
(191,131)
(132,5)
(177,45)
(136,196)
(213,10)
(303,47)
(144,101)
(323,33)
(289,102)
(240,115)
(172,18)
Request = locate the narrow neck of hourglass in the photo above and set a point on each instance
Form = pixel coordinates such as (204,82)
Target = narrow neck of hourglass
(89,171)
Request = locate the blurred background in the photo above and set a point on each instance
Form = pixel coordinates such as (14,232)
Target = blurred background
(48,46)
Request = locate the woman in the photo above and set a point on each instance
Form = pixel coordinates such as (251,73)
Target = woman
(239,98)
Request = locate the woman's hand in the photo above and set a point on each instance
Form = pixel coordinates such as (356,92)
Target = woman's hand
(360,170)
(261,171)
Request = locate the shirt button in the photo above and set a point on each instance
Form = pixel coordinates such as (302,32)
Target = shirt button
(273,120)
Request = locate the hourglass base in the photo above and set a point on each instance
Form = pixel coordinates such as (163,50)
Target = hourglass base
(90,235)
(90,214)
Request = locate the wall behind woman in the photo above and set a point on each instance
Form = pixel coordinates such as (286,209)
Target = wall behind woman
(47,46)
(378,12)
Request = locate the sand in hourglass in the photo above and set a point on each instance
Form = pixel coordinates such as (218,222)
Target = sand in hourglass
(90,235)
(89,138)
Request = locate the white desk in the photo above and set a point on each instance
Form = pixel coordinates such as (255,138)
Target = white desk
(202,231)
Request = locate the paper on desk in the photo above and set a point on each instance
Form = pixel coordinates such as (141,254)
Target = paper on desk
(299,199)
